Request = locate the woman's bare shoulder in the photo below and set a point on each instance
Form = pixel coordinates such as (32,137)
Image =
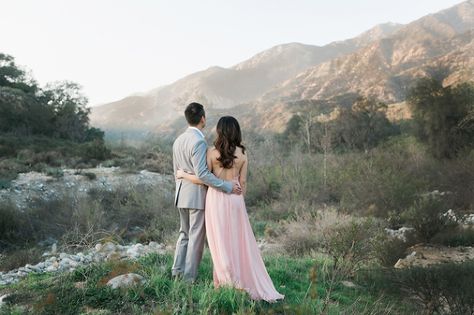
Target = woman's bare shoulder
(241,153)
(212,151)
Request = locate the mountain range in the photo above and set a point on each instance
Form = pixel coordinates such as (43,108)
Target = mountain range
(382,62)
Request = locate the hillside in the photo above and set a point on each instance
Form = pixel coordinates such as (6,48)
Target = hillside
(387,67)
(382,62)
(220,88)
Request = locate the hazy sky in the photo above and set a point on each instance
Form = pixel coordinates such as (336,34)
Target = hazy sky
(114,48)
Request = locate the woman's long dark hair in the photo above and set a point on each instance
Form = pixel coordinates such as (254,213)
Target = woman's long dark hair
(228,139)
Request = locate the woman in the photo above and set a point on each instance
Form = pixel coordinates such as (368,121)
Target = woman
(234,251)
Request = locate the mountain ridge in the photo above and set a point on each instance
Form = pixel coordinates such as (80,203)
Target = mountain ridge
(383,61)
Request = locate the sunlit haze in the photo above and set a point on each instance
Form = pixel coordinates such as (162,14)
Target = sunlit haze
(116,48)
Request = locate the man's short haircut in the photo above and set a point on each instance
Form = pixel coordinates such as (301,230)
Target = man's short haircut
(193,113)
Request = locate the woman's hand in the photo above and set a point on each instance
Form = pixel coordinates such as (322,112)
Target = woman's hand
(180,174)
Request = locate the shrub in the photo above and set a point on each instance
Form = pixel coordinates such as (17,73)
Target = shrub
(445,288)
(456,236)
(90,175)
(95,149)
(438,289)
(347,240)
(54,172)
(388,250)
(264,185)
(443,116)
(128,213)
(350,244)
(299,237)
(10,224)
(19,258)
(386,179)
(158,162)
(426,216)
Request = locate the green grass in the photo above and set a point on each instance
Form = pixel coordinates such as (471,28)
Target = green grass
(304,294)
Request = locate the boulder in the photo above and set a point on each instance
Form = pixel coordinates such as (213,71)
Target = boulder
(125,281)
(406,262)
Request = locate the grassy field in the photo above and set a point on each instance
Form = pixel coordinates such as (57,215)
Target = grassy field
(83,291)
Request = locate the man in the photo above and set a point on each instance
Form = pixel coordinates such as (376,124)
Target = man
(189,154)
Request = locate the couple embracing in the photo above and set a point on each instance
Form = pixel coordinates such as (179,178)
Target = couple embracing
(210,189)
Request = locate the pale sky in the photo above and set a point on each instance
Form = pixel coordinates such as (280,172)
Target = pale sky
(114,48)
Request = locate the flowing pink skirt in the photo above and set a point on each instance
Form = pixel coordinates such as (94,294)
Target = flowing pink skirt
(234,251)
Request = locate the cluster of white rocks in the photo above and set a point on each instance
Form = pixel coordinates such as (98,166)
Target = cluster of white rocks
(402,233)
(64,262)
(466,219)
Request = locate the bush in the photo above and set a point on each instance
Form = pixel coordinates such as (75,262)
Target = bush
(426,216)
(19,258)
(54,172)
(443,116)
(90,176)
(11,224)
(388,250)
(347,240)
(386,179)
(95,149)
(445,288)
(130,213)
(438,289)
(456,236)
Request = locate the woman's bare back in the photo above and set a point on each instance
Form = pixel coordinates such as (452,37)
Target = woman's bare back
(226,173)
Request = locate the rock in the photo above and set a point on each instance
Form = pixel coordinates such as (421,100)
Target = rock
(469,219)
(406,262)
(98,247)
(136,250)
(80,285)
(2,300)
(402,233)
(67,262)
(125,281)
(348,284)
(108,247)
(155,245)
(52,259)
(54,249)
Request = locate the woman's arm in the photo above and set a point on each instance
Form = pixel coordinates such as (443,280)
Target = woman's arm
(243,176)
(180,174)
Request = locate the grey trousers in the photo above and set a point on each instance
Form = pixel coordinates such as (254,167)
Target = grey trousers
(190,245)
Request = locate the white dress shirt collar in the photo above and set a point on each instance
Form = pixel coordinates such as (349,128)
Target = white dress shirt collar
(200,132)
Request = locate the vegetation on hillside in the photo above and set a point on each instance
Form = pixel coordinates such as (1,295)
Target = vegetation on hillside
(43,127)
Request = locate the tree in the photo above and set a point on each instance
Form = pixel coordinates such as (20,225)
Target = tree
(363,126)
(443,116)
(22,113)
(14,77)
(71,116)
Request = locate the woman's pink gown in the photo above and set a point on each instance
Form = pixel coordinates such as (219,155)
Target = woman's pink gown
(235,254)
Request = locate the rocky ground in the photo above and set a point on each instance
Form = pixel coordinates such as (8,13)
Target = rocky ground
(33,185)
(64,262)
(422,255)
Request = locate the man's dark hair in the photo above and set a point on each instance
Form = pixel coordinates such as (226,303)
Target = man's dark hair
(193,113)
